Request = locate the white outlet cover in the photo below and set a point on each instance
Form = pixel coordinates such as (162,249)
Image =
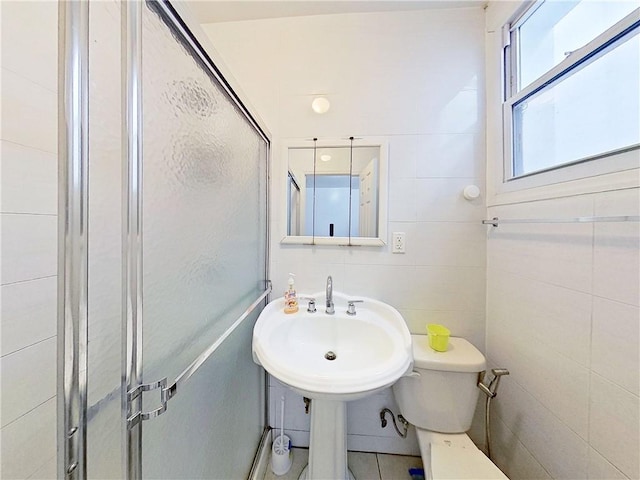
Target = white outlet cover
(398,242)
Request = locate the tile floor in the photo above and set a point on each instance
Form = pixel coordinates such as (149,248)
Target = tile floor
(365,466)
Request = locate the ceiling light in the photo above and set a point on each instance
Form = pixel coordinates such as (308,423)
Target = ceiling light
(325,157)
(320,105)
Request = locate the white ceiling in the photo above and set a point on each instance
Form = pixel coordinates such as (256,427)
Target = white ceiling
(212,11)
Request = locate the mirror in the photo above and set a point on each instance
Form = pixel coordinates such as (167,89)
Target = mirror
(336,192)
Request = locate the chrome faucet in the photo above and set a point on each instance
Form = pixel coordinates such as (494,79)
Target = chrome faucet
(329,296)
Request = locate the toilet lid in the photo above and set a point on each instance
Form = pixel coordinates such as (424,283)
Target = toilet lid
(455,462)
(461,356)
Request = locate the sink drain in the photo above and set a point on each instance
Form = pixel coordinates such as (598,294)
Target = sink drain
(330,355)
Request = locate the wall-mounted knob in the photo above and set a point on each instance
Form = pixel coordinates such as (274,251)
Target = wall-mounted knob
(471,192)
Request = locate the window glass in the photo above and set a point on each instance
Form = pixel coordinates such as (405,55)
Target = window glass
(590,111)
(556,28)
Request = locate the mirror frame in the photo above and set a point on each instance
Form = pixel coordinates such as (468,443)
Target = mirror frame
(383,191)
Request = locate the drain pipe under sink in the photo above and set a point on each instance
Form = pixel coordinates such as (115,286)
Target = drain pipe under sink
(490,391)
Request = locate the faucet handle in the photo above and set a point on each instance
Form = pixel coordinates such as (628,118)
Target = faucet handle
(311,307)
(351,306)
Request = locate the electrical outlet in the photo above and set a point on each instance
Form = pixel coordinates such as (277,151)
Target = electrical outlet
(397,242)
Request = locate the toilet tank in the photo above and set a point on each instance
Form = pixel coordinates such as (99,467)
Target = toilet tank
(441,393)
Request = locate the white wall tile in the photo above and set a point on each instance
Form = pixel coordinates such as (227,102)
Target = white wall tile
(295,417)
(616,262)
(449,243)
(29,113)
(403,154)
(456,111)
(32,52)
(363,416)
(614,431)
(311,277)
(448,288)
(620,202)
(559,294)
(466,324)
(615,351)
(511,456)
(441,200)
(552,253)
(388,283)
(28,379)
(29,247)
(538,359)
(450,155)
(402,200)
(29,180)
(560,385)
(48,471)
(536,312)
(600,468)
(29,443)
(561,452)
(382,255)
(29,311)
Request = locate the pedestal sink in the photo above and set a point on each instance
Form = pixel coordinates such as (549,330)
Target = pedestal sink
(332,359)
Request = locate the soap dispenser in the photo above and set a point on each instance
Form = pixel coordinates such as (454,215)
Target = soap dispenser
(290,297)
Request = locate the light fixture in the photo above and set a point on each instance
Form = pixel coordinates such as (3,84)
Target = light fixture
(320,105)
(325,157)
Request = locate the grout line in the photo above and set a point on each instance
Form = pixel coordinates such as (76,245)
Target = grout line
(28,412)
(4,355)
(30,214)
(608,380)
(378,465)
(29,280)
(592,305)
(613,300)
(30,80)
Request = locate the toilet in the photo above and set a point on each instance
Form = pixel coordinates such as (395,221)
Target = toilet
(439,398)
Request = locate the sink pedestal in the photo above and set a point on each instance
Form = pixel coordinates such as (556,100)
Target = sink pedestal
(328,442)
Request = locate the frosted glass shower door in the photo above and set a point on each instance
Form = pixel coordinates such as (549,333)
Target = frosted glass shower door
(203,260)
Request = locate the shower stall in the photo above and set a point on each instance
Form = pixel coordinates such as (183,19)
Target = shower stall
(163,251)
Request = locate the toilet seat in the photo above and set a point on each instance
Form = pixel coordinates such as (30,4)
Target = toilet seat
(454,456)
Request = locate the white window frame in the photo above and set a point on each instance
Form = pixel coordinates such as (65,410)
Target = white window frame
(625,158)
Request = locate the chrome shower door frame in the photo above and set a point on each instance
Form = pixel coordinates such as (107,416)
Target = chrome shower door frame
(132,235)
(73,121)
(73,151)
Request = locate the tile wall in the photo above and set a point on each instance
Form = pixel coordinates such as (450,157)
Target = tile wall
(416,79)
(563,316)
(562,313)
(29,239)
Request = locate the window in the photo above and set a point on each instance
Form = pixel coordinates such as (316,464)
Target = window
(572,84)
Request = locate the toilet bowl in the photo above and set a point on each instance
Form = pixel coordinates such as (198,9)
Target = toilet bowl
(439,398)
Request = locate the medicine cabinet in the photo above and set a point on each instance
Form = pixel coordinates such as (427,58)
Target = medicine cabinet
(336,192)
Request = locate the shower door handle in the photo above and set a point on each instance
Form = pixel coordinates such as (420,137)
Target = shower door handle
(140,416)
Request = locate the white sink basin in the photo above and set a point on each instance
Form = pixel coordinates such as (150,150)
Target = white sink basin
(372,348)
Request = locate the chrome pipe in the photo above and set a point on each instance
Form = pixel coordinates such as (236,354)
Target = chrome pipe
(73,151)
